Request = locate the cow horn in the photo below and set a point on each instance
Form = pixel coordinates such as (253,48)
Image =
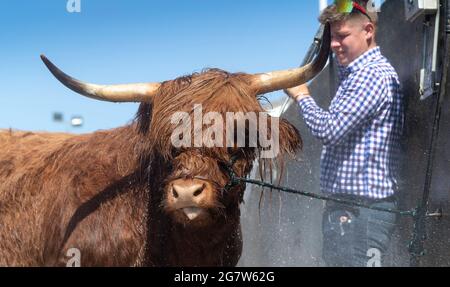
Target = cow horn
(278,80)
(140,92)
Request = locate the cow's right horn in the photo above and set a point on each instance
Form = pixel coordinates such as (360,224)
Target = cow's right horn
(279,80)
(140,92)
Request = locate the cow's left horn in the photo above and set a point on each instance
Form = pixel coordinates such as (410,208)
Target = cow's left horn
(140,92)
(274,81)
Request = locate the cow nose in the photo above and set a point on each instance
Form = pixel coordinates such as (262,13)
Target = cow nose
(189,196)
(187,191)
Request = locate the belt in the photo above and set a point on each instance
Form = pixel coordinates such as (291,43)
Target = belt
(364,200)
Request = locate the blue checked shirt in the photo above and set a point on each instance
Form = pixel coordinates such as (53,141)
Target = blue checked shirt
(361,130)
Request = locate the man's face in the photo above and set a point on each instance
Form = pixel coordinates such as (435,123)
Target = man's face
(350,39)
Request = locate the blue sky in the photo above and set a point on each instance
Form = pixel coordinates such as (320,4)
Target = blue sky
(122,41)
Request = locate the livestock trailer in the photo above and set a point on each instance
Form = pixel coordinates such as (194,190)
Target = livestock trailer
(282,229)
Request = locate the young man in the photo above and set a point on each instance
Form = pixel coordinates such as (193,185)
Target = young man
(360,133)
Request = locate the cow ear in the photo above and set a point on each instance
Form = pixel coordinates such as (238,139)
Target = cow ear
(290,139)
(144,117)
(289,143)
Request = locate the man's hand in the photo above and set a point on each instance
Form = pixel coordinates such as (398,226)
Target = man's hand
(298,93)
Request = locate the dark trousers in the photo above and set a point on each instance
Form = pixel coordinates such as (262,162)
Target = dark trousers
(356,236)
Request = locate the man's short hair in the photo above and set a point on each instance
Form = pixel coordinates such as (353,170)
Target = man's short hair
(331,15)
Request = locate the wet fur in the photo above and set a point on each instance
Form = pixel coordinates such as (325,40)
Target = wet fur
(103,193)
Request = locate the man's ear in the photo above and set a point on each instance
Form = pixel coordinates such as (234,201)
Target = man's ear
(369,28)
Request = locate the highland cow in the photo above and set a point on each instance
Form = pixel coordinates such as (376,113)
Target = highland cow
(128,196)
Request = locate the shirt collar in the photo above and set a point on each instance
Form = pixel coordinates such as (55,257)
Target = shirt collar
(362,60)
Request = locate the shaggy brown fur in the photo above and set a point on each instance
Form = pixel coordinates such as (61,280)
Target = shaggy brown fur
(104,193)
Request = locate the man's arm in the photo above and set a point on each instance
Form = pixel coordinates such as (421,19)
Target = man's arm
(298,93)
(358,102)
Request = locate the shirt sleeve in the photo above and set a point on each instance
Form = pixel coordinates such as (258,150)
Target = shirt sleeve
(355,103)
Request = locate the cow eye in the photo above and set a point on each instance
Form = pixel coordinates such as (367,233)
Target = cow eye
(236,155)
(231,150)
(223,166)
